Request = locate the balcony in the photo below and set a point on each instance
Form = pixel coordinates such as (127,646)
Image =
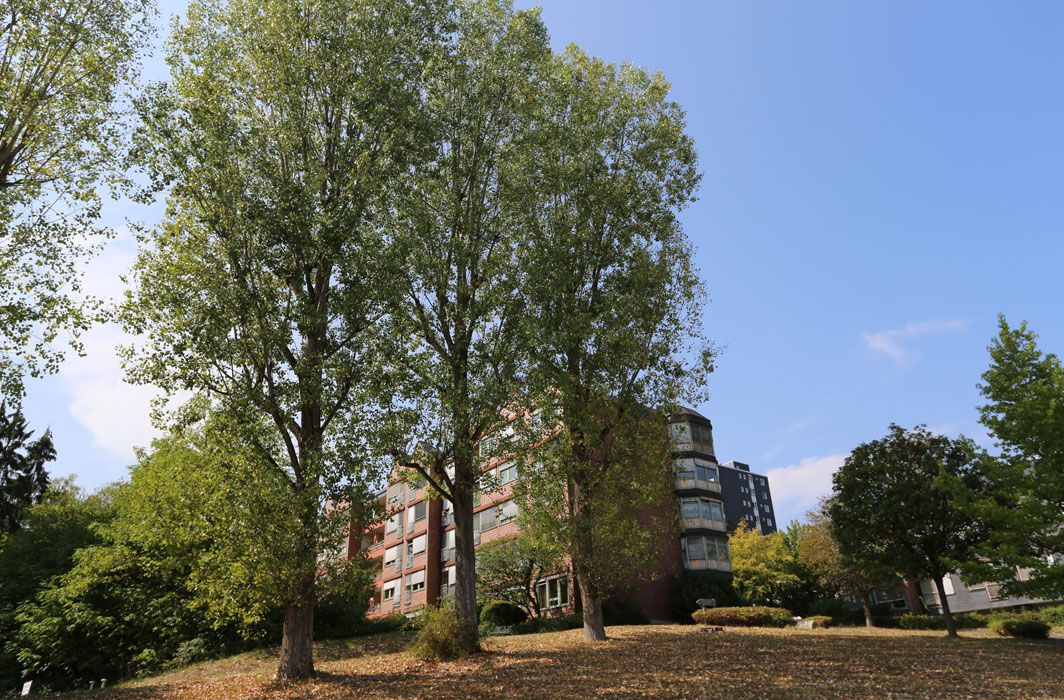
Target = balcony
(447,518)
(708,565)
(703,524)
(694,483)
(447,554)
(446,590)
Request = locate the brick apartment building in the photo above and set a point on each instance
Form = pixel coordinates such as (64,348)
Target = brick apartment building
(414,545)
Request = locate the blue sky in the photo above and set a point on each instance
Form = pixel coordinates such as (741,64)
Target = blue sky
(881,180)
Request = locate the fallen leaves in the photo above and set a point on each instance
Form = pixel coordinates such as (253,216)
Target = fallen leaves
(651,661)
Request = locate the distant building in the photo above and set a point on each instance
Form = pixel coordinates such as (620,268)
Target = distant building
(414,545)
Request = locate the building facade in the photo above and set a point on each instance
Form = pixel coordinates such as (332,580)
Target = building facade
(414,546)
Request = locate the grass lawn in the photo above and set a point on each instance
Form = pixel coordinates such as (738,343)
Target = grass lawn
(650,661)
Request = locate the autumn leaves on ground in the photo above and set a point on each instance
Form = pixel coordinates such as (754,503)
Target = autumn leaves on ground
(649,661)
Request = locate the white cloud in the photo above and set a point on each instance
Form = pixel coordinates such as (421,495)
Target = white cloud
(888,342)
(797,488)
(115,413)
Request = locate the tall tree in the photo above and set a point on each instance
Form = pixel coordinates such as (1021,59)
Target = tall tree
(283,126)
(1022,501)
(455,242)
(852,578)
(23,479)
(613,307)
(893,506)
(63,67)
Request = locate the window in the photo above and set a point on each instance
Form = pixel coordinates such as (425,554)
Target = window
(484,520)
(702,435)
(448,539)
(701,508)
(393,522)
(447,576)
(553,593)
(388,592)
(693,468)
(390,555)
(701,552)
(507,473)
(415,582)
(395,493)
(488,446)
(420,510)
(507,511)
(418,544)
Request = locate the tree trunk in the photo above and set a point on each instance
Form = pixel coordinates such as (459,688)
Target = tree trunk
(594,625)
(465,590)
(950,629)
(866,607)
(297,643)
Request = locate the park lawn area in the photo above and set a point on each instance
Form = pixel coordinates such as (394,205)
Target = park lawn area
(654,661)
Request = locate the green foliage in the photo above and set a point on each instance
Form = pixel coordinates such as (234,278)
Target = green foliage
(1023,492)
(841,611)
(913,621)
(764,567)
(612,310)
(502,613)
(556,623)
(753,616)
(383,625)
(63,67)
(820,621)
(510,569)
(690,586)
(443,636)
(1026,625)
(23,479)
(344,593)
(54,529)
(1053,615)
(895,504)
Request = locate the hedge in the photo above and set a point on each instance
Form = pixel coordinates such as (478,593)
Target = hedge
(502,613)
(819,620)
(1053,615)
(534,625)
(912,621)
(1027,625)
(753,616)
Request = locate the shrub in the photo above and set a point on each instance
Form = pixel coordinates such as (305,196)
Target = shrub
(502,613)
(1052,616)
(913,621)
(838,610)
(535,625)
(1027,625)
(191,651)
(395,622)
(820,620)
(443,636)
(753,616)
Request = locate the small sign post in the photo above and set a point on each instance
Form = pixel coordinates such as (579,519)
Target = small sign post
(26,687)
(706,603)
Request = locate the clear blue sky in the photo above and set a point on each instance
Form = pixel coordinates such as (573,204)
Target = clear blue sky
(881,180)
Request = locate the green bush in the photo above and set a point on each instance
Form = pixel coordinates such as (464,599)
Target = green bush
(1053,615)
(1027,625)
(442,636)
(913,621)
(535,625)
(840,612)
(395,622)
(820,620)
(753,616)
(502,613)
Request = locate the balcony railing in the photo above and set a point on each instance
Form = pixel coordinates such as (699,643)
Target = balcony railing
(691,483)
(446,589)
(709,565)
(704,523)
(447,554)
(446,519)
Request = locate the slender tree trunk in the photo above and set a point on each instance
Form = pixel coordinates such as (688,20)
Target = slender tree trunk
(297,642)
(944,602)
(866,607)
(465,590)
(594,625)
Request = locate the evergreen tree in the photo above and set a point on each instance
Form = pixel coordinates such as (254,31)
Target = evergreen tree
(23,478)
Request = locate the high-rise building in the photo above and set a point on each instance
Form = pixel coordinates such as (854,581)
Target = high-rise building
(414,544)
